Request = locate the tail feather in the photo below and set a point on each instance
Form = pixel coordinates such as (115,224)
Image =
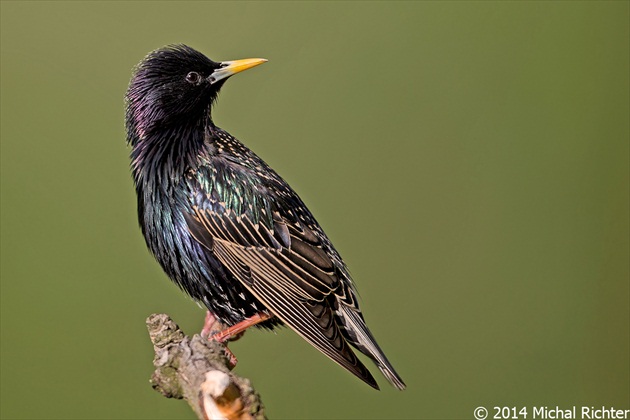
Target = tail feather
(358,334)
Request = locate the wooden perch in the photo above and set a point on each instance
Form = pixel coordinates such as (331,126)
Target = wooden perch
(198,370)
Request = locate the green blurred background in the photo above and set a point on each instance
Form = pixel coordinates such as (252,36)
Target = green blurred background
(469,160)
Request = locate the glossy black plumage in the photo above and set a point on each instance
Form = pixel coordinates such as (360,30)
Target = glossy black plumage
(226,227)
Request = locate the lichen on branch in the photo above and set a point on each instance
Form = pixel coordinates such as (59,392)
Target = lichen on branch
(198,370)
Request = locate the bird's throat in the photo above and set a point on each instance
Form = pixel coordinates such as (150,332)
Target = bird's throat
(165,156)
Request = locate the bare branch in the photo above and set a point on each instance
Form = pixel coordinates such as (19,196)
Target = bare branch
(198,370)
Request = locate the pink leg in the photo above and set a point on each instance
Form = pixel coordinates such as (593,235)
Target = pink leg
(231,333)
(226,334)
(208,324)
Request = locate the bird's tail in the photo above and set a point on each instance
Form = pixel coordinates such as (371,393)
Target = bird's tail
(360,336)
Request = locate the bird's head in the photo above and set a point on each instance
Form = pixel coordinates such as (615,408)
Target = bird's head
(176,85)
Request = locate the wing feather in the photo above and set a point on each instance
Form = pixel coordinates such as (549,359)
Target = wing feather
(294,282)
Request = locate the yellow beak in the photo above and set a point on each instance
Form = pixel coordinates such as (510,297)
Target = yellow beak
(229,68)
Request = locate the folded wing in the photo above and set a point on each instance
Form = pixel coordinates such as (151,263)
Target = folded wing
(284,265)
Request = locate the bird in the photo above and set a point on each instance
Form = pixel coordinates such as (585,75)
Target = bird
(225,227)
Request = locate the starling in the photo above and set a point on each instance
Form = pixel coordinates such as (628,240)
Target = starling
(224,226)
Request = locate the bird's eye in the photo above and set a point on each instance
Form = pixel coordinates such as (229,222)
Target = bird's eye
(193,77)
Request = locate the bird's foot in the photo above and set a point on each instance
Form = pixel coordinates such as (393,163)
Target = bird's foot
(232,360)
(237,330)
(213,330)
(213,326)
(210,325)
